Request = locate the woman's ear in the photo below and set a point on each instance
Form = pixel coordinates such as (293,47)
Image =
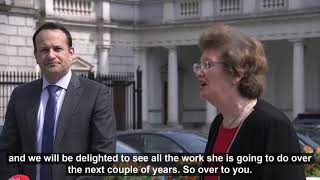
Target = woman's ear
(237,79)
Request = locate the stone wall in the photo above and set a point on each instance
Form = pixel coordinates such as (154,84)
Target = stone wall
(16,47)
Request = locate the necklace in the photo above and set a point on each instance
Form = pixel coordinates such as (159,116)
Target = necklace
(250,109)
(245,111)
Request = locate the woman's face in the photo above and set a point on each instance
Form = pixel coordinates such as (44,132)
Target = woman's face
(213,78)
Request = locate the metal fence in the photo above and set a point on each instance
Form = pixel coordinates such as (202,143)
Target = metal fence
(8,81)
(126,92)
(125,89)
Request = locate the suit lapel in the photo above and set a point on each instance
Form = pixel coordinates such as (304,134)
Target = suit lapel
(32,111)
(70,101)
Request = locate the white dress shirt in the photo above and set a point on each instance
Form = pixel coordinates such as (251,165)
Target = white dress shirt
(63,84)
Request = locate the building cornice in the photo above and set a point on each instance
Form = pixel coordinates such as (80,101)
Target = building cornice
(22,11)
(130,2)
(275,28)
(136,2)
(89,24)
(199,22)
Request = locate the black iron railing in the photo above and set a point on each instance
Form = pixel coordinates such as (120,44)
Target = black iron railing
(126,94)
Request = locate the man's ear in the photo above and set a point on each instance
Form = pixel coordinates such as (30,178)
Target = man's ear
(71,51)
(35,55)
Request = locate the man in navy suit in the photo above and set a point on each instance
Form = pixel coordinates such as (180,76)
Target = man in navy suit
(59,113)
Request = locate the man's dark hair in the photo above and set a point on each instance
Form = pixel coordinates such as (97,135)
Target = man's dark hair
(52,26)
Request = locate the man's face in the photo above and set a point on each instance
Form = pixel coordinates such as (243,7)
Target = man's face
(53,54)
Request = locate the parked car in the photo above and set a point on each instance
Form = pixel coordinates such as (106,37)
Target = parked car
(163,141)
(307,141)
(308,125)
(308,120)
(124,148)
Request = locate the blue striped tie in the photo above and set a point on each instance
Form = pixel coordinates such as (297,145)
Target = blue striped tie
(48,131)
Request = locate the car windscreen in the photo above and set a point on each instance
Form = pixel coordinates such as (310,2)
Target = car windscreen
(124,148)
(192,142)
(311,132)
(307,140)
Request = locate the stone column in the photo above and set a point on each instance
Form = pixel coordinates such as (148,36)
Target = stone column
(298,77)
(103,45)
(173,96)
(154,87)
(140,59)
(103,10)
(102,16)
(103,64)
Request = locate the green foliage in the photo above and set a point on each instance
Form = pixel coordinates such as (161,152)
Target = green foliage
(314,168)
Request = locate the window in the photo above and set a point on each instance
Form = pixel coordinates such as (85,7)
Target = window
(135,141)
(160,144)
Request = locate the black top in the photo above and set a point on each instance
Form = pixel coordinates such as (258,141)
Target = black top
(266,130)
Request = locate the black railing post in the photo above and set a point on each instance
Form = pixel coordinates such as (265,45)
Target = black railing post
(134,118)
(139,97)
(91,75)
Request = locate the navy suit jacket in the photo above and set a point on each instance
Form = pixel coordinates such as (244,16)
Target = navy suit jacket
(86,124)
